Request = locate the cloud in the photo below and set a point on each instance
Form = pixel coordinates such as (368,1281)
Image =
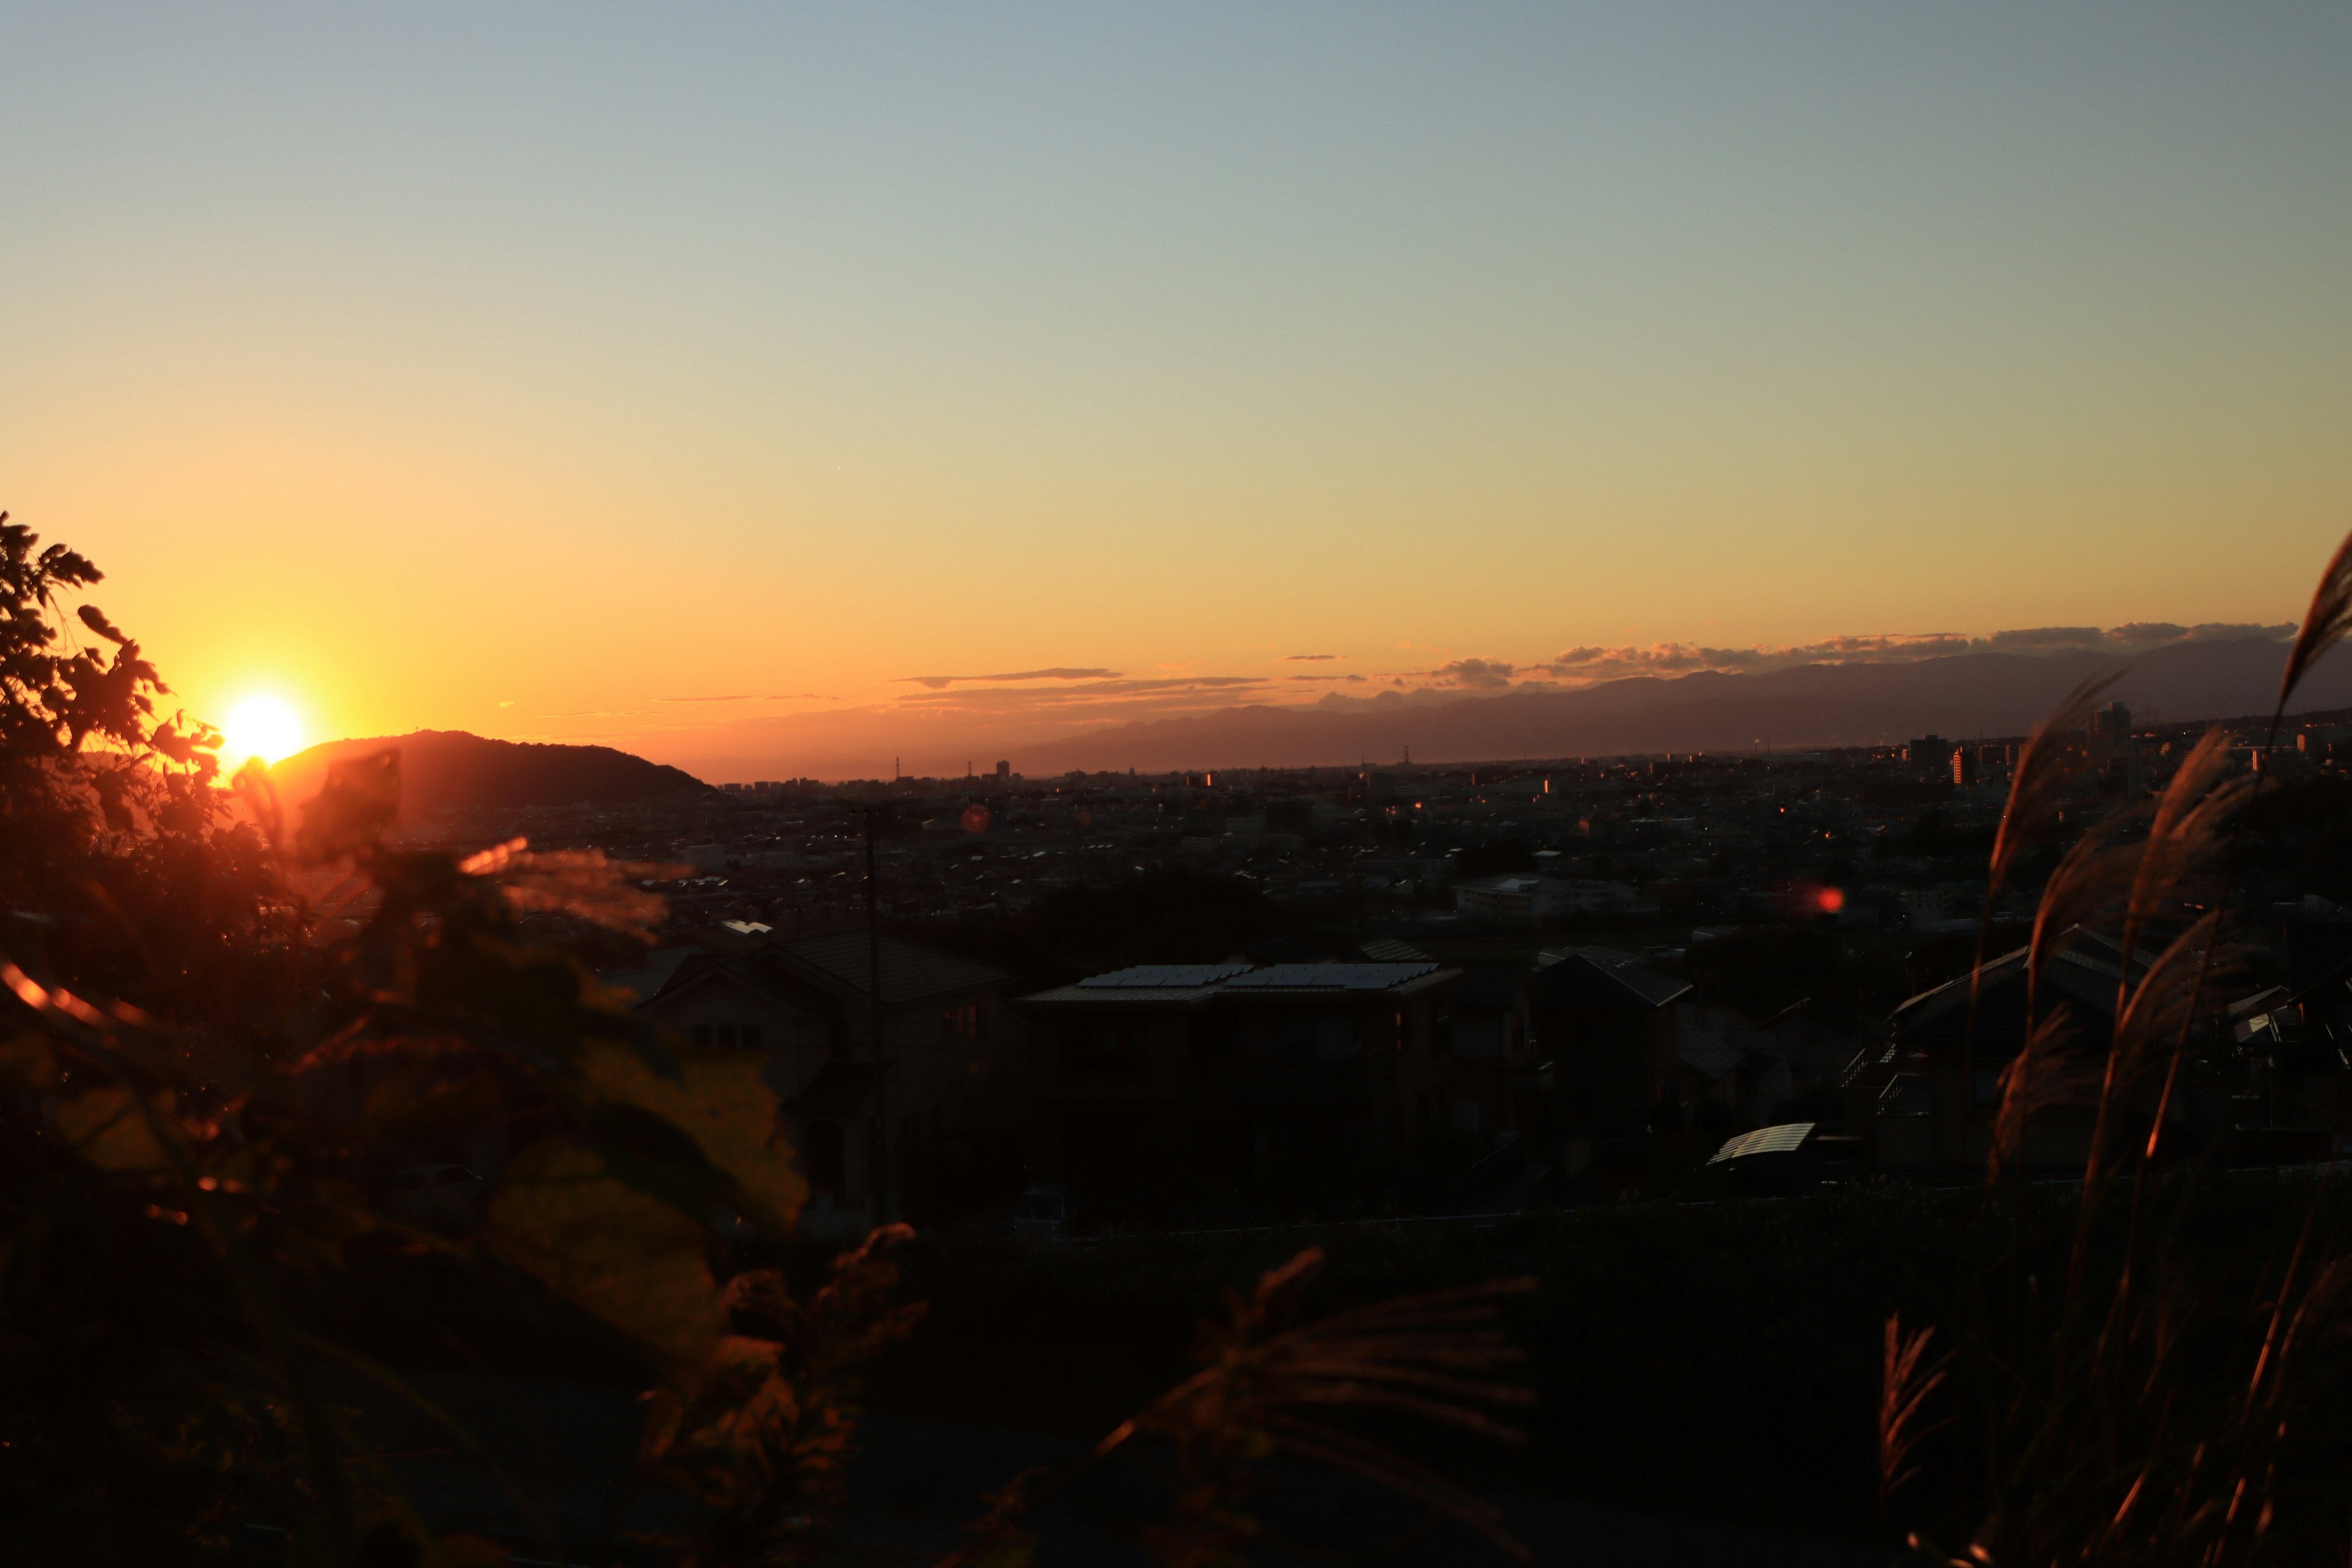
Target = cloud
(938,682)
(1307,657)
(744,698)
(1586,666)
(1475,674)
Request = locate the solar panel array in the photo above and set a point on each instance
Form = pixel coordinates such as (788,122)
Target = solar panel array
(1329,976)
(1163,976)
(1782,1139)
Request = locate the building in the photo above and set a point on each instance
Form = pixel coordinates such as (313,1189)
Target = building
(2109,726)
(1228,1087)
(1930,756)
(1927,1098)
(1603,1029)
(920,1123)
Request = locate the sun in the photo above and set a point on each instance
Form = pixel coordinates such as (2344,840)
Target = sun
(262,727)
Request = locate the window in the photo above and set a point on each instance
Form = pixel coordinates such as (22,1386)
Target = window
(702,1034)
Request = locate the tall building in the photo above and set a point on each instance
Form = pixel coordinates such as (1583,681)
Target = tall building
(1930,756)
(1004,772)
(2110,724)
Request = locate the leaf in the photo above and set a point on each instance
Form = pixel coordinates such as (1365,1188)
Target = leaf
(625,1258)
(352,809)
(95,619)
(106,1128)
(721,1104)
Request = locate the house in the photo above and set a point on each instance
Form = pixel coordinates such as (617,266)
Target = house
(1604,1021)
(1927,1098)
(1201,1088)
(1490,1068)
(921,1121)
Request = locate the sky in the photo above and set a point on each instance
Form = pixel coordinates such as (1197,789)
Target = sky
(716,381)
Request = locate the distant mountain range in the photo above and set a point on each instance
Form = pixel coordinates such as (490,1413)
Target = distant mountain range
(449,768)
(1959,697)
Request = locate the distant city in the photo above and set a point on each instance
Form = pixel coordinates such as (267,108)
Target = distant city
(1227,995)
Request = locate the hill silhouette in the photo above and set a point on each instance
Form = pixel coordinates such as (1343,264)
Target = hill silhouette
(445,769)
(1859,703)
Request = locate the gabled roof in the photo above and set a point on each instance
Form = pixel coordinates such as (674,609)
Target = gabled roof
(1389,950)
(752,971)
(1603,980)
(2084,973)
(838,962)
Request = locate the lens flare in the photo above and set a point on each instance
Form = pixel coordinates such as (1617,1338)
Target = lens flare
(262,727)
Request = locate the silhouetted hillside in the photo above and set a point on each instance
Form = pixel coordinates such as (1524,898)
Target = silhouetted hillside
(1812,705)
(446,768)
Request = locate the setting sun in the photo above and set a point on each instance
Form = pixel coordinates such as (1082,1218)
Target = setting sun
(262,727)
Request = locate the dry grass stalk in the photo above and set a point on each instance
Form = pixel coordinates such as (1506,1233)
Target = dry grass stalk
(2092,880)
(2040,1078)
(2044,768)
(1431,1356)
(2183,836)
(2164,1001)
(1905,1380)
(2324,626)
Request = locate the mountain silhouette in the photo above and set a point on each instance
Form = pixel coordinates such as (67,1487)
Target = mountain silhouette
(1960,696)
(444,769)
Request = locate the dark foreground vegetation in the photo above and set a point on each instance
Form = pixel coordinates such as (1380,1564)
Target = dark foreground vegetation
(227,1022)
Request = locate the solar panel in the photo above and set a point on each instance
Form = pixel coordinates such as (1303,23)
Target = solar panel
(1780,1139)
(1163,976)
(1330,976)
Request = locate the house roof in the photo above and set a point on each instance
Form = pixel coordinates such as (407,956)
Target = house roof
(1197,984)
(838,960)
(1603,980)
(1326,977)
(2084,972)
(1389,950)
(750,970)
(1163,976)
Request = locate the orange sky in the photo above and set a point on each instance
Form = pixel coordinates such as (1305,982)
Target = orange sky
(557,377)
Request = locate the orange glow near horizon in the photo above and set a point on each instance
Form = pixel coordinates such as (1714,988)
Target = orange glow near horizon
(783,393)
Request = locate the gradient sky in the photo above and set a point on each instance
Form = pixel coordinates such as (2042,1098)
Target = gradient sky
(535,369)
